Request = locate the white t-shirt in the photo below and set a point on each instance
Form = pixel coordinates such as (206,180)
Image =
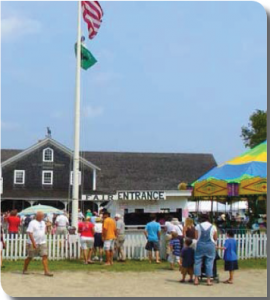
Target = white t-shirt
(62,221)
(98,227)
(120,225)
(23,219)
(169,227)
(178,229)
(80,215)
(205,226)
(39,232)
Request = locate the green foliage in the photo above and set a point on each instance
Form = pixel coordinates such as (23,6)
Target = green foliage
(256,131)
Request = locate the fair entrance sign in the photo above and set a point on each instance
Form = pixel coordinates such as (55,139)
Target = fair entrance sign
(127,195)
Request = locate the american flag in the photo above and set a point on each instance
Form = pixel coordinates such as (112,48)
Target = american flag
(92,15)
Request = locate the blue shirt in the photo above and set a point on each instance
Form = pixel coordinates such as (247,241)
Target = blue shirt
(152,229)
(176,249)
(230,254)
(187,255)
(93,219)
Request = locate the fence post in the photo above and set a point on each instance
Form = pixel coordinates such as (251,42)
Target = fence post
(7,246)
(53,247)
(20,245)
(16,246)
(25,236)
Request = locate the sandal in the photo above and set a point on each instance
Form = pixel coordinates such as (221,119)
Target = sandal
(228,281)
(48,274)
(182,281)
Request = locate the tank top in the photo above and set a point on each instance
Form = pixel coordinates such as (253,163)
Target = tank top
(190,232)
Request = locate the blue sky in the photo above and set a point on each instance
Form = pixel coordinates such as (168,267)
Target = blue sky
(171,76)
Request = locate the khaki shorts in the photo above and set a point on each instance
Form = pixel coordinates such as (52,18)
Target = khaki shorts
(109,245)
(186,271)
(119,243)
(42,250)
(87,243)
(173,259)
(168,238)
(61,231)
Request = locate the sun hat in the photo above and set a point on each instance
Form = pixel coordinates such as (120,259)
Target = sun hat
(175,221)
(117,216)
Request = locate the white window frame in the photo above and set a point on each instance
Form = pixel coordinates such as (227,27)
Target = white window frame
(44,155)
(71,178)
(43,176)
(17,171)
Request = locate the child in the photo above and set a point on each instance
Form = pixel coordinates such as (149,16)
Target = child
(230,255)
(174,256)
(187,260)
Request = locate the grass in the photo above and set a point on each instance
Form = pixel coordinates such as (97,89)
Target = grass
(131,265)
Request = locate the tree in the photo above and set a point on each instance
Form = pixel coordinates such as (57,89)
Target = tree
(256,132)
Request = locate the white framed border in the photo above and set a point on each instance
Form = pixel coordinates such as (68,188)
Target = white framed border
(15,176)
(43,155)
(43,176)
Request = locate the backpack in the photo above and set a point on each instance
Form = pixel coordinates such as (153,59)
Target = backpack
(27,221)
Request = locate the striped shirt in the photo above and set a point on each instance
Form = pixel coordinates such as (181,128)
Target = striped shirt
(175,243)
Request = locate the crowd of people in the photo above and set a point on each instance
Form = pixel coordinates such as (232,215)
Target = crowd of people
(191,248)
(98,233)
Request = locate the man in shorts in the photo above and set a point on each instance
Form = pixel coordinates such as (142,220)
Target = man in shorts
(36,243)
(120,240)
(152,233)
(108,236)
(62,223)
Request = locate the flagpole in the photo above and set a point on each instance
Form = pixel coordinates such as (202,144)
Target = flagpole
(76,158)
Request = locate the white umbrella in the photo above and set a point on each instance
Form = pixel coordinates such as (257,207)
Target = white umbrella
(32,210)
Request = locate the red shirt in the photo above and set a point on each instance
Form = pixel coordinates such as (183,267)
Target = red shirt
(13,223)
(86,230)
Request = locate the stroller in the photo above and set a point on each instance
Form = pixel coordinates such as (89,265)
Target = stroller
(215,274)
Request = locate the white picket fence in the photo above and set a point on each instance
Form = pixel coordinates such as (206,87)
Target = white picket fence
(249,246)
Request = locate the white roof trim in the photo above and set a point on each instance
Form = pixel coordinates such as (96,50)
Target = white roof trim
(178,193)
(42,144)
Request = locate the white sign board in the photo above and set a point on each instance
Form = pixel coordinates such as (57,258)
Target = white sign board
(127,195)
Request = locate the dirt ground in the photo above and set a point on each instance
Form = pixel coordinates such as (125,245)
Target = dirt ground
(252,283)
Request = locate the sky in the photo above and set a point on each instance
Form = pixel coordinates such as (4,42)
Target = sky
(180,77)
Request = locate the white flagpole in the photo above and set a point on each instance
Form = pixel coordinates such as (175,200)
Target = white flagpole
(76,159)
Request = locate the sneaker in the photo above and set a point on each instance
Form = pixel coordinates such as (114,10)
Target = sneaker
(95,258)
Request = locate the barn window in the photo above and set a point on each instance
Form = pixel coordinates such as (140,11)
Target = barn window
(48,155)
(19,176)
(47,177)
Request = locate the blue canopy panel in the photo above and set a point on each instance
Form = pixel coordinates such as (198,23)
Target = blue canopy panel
(230,172)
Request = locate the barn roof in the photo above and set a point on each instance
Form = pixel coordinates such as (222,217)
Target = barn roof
(148,171)
(141,171)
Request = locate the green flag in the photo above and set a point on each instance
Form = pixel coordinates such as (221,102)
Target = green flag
(87,59)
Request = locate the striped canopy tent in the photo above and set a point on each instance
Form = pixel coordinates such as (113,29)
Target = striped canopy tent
(242,176)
